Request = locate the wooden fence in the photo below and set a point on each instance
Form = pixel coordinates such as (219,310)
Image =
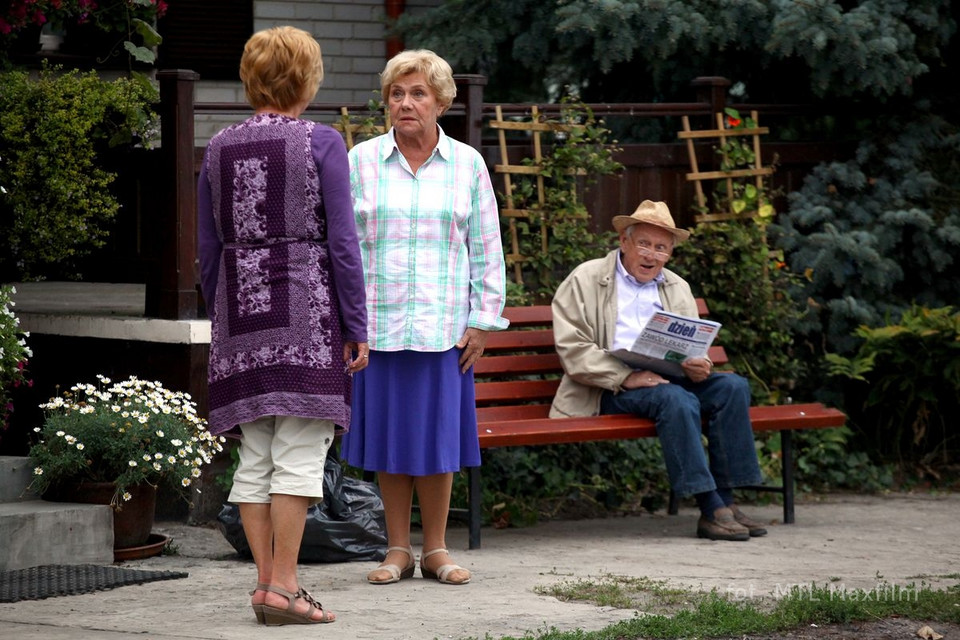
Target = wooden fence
(164,233)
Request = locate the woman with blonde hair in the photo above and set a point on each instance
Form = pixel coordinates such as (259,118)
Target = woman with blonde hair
(430,237)
(282,279)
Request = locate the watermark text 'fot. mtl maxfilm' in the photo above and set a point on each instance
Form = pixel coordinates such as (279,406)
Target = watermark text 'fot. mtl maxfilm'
(881,592)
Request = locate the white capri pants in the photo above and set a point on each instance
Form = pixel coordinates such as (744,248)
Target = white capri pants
(284,455)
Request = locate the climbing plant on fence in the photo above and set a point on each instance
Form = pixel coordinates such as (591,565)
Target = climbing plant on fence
(738,188)
(751,290)
(359,127)
(546,233)
(546,226)
(728,261)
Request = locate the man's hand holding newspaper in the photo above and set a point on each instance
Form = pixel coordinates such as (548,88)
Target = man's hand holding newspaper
(667,340)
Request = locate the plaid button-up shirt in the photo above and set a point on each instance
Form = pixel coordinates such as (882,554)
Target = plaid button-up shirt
(430,242)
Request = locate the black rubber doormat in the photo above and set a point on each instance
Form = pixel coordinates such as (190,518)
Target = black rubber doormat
(53,580)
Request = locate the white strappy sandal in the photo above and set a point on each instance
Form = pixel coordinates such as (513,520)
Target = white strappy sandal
(443,571)
(396,573)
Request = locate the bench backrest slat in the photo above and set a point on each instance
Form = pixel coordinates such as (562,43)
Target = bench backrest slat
(540,314)
(516,365)
(512,412)
(526,350)
(520,340)
(516,391)
(536,315)
(520,371)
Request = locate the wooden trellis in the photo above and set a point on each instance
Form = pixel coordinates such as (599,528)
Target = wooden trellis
(536,126)
(349,129)
(757,172)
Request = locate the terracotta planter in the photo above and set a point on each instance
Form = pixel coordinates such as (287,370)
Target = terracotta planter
(132,522)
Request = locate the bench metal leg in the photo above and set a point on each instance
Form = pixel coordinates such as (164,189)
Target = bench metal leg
(475,499)
(673,506)
(786,450)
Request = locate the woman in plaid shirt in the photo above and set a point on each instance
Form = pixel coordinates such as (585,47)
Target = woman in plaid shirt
(429,236)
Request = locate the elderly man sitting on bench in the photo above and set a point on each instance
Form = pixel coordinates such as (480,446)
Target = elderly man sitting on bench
(603,305)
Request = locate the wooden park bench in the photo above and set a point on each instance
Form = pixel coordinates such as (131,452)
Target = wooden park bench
(518,376)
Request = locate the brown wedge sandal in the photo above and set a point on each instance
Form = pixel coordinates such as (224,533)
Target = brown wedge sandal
(443,572)
(273,617)
(258,608)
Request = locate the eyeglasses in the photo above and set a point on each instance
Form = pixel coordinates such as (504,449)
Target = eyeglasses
(647,252)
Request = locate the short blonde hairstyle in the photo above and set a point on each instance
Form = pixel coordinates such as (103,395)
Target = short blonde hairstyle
(281,67)
(435,69)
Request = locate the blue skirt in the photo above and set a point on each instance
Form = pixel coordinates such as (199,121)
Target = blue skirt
(414,413)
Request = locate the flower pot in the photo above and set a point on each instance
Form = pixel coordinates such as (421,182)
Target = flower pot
(132,520)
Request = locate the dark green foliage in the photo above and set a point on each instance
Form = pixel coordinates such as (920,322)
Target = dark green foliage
(874,47)
(876,234)
(627,50)
(505,41)
(904,393)
(521,482)
(828,461)
(746,288)
(728,264)
(55,198)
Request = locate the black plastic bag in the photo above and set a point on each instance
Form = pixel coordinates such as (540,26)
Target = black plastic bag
(347,525)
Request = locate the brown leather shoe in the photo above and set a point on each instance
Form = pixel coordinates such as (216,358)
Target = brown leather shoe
(723,527)
(756,529)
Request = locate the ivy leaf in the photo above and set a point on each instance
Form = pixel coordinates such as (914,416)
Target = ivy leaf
(733,113)
(150,36)
(738,205)
(765,211)
(141,54)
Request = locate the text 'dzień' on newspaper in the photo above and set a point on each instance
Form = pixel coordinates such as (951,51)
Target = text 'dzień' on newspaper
(667,340)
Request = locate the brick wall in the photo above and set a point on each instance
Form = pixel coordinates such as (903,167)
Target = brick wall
(352,35)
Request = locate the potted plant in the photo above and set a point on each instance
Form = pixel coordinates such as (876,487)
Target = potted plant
(112,22)
(131,23)
(14,353)
(120,439)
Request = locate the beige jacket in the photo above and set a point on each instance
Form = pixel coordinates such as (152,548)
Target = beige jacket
(584,322)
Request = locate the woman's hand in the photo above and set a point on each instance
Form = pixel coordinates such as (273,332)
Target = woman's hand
(472,344)
(362,349)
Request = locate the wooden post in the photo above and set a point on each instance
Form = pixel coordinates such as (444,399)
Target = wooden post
(172,291)
(712,89)
(470,95)
(394,9)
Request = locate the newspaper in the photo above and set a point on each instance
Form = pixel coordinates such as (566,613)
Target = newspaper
(667,340)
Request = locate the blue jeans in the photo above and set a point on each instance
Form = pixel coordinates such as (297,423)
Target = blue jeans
(723,399)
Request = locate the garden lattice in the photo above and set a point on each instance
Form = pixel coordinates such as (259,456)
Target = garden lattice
(757,171)
(366,127)
(536,126)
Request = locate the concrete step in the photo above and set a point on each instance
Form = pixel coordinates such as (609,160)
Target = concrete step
(37,532)
(16,473)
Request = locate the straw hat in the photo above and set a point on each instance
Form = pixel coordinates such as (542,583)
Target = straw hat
(655,213)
